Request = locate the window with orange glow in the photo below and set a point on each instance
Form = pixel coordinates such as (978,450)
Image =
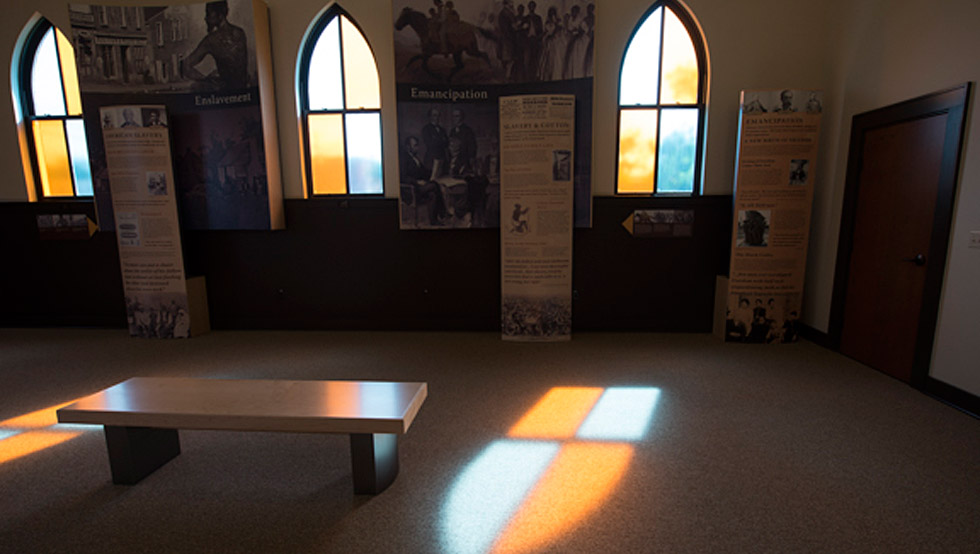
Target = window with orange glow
(47,89)
(340,105)
(661,105)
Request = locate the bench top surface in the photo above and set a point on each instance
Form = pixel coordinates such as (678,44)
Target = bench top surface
(252,405)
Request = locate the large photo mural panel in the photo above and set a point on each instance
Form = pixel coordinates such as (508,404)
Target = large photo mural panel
(454,61)
(205,63)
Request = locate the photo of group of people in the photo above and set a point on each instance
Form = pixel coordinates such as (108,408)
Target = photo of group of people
(762,320)
(497,41)
(525,316)
(158,315)
(663,223)
(782,102)
(449,169)
(62,226)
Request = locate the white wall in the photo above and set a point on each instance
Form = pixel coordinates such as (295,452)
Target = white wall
(890,51)
(865,54)
(769,43)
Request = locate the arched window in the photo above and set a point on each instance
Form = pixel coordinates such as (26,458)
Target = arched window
(49,114)
(662,88)
(340,106)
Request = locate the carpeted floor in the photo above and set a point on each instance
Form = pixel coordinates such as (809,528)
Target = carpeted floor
(788,448)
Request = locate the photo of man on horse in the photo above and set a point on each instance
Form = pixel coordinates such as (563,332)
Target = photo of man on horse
(441,33)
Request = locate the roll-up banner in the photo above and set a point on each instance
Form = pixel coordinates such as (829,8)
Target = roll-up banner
(140,174)
(537,140)
(777,152)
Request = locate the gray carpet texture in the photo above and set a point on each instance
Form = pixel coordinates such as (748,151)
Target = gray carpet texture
(750,448)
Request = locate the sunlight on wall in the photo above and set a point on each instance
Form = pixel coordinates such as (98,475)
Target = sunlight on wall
(34,432)
(520,495)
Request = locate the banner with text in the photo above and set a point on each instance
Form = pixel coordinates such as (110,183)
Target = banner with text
(537,138)
(777,151)
(455,61)
(140,174)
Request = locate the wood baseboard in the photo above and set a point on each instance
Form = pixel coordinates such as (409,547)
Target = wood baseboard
(817,337)
(957,398)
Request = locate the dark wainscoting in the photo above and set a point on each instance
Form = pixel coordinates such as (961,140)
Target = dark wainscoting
(60,283)
(345,265)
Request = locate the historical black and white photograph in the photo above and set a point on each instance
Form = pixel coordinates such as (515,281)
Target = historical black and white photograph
(519,220)
(158,315)
(493,41)
(763,319)
(449,167)
(663,223)
(561,167)
(533,317)
(755,102)
(156,183)
(798,171)
(219,162)
(153,117)
(753,227)
(209,46)
(125,117)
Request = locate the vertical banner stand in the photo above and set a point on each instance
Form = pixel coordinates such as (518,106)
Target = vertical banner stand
(160,301)
(777,155)
(537,194)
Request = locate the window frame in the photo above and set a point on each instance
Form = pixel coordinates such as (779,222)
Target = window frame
(701,55)
(34,33)
(313,34)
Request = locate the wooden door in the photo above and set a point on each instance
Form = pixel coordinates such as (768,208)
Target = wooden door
(894,232)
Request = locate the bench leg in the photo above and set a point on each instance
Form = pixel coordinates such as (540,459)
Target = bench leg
(135,452)
(374,460)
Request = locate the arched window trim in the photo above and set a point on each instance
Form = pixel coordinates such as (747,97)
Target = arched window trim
(307,47)
(23,101)
(701,54)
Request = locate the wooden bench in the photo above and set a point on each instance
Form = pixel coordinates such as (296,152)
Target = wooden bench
(143,415)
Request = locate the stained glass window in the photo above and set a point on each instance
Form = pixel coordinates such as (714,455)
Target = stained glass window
(661,105)
(340,102)
(52,111)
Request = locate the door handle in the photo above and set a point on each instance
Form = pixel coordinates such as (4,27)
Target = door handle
(918,260)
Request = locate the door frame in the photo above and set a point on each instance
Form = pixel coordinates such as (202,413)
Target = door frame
(953,102)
